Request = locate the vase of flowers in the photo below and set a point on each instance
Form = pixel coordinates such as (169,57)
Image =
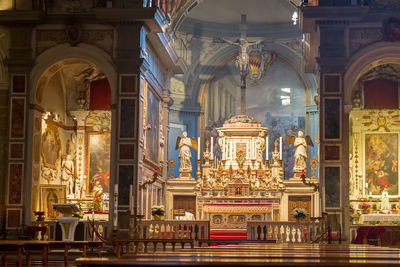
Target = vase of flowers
(157,212)
(299,213)
(364,207)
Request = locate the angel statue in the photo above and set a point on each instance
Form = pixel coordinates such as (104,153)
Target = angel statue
(300,156)
(185,143)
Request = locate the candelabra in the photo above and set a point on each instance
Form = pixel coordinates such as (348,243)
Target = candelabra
(308,183)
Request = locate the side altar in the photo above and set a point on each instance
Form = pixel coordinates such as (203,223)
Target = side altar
(244,184)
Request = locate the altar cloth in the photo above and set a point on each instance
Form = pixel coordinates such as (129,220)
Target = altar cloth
(379,218)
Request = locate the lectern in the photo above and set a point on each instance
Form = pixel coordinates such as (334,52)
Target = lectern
(67,221)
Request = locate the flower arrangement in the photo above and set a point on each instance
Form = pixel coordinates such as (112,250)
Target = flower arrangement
(158,210)
(299,213)
(364,206)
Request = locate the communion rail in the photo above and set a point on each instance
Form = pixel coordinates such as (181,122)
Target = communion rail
(284,232)
(174,229)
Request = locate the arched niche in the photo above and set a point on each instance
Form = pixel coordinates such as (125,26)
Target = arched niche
(62,76)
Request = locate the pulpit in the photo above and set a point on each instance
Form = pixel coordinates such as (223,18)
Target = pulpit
(68,223)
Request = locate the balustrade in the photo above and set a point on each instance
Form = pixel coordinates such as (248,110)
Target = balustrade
(174,229)
(284,232)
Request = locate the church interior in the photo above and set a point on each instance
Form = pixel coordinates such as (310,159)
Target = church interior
(132,125)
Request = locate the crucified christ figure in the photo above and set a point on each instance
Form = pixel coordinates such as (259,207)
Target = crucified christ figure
(242,61)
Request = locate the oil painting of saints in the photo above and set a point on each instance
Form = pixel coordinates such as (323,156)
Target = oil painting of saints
(381,163)
(51,148)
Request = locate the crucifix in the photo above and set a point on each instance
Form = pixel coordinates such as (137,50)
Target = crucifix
(242,60)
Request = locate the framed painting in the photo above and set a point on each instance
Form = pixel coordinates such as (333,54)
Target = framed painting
(98,169)
(381,163)
(51,147)
(152,126)
(49,195)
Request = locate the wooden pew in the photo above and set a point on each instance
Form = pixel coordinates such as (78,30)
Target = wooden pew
(23,247)
(118,244)
(81,245)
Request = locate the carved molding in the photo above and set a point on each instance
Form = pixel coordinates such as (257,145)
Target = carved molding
(389,5)
(46,39)
(362,37)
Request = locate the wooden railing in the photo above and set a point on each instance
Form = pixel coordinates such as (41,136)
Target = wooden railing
(284,232)
(174,229)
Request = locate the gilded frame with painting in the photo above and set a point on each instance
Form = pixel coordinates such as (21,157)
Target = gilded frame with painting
(49,195)
(51,147)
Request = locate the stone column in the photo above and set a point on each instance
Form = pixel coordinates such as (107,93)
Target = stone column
(216,101)
(128,121)
(19,182)
(312,114)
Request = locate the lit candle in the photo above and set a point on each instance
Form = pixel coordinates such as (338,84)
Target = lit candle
(366,185)
(280,148)
(211,147)
(266,148)
(198,147)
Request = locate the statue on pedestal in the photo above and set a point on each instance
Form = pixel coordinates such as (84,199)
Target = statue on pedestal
(260,145)
(385,204)
(68,175)
(300,156)
(185,143)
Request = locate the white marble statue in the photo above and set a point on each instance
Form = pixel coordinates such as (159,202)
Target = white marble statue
(185,143)
(260,145)
(300,156)
(68,175)
(385,204)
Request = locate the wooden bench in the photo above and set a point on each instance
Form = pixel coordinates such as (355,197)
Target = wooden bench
(81,245)
(23,247)
(119,243)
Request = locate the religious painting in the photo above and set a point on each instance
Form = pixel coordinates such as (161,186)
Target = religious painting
(17,129)
(152,126)
(49,195)
(332,187)
(99,161)
(51,147)
(381,163)
(15,174)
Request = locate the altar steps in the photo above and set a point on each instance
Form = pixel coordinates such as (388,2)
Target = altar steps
(228,234)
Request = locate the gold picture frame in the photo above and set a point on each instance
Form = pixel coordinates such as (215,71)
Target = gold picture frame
(51,146)
(49,195)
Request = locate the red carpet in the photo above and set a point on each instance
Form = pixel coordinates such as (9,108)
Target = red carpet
(228,234)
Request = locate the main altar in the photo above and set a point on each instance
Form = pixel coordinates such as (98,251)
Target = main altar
(243,184)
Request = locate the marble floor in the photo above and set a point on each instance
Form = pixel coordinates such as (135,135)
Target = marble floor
(251,254)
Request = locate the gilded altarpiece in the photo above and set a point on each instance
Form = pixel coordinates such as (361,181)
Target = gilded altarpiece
(374,156)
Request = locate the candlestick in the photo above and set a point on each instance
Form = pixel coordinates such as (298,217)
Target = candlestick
(280,148)
(198,147)
(266,149)
(366,185)
(130,200)
(212,147)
